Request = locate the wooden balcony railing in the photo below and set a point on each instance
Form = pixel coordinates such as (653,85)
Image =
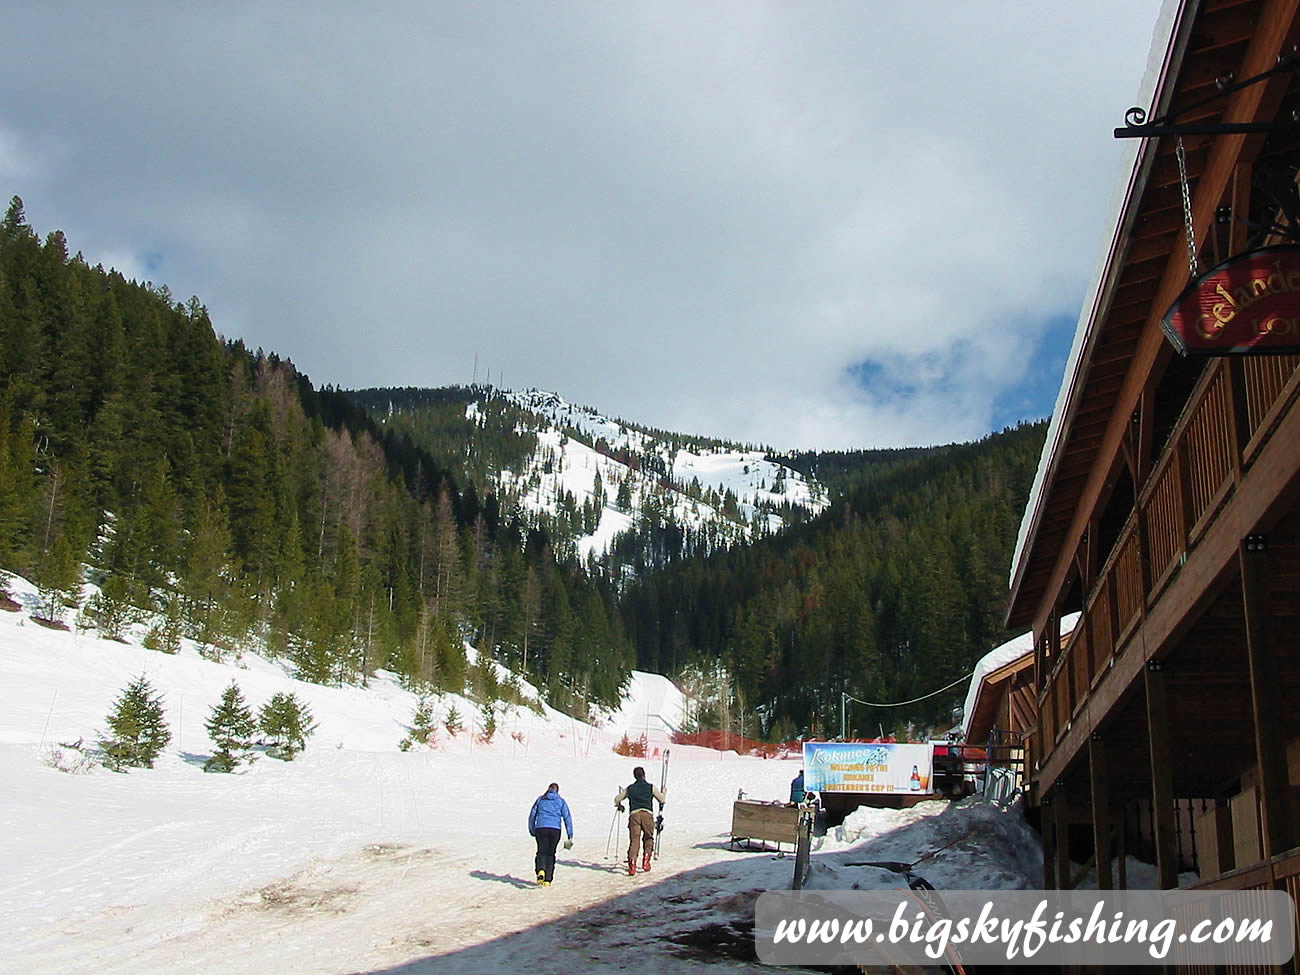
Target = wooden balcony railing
(1282,872)
(1228,417)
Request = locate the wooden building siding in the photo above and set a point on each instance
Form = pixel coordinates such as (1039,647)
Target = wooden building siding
(1173,530)
(1149,269)
(1168,514)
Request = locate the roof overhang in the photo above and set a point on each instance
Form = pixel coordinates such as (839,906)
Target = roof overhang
(1033,551)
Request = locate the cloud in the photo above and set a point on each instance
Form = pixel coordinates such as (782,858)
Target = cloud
(808,225)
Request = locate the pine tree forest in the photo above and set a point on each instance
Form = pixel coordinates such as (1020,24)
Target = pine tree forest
(216,489)
(197,478)
(893,592)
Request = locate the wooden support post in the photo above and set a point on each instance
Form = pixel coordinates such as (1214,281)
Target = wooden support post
(1040,663)
(1162,775)
(1121,851)
(1062,817)
(1100,810)
(1047,822)
(1265,695)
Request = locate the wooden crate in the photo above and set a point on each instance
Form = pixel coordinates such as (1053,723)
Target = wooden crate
(1246,846)
(770,821)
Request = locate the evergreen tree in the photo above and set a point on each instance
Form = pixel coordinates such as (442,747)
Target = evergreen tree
(165,634)
(17,478)
(487,711)
(453,721)
(139,731)
(316,652)
(230,726)
(422,731)
(110,609)
(205,584)
(59,579)
(344,615)
(288,723)
(253,483)
(452,667)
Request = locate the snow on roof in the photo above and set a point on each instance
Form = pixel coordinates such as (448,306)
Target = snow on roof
(999,657)
(1138,154)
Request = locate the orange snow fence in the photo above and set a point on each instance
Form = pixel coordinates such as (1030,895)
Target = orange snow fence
(727,742)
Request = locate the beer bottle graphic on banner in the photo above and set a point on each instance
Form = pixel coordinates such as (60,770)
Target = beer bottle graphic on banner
(916,779)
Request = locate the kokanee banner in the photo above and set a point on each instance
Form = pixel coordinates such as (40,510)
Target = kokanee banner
(862,766)
(1250,303)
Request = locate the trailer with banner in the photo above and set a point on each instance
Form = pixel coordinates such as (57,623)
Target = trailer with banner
(848,774)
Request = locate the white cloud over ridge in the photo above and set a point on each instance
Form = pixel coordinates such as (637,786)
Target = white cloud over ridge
(697,216)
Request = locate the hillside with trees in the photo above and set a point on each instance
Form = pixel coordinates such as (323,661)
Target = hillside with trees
(215,486)
(895,591)
(216,490)
(644,497)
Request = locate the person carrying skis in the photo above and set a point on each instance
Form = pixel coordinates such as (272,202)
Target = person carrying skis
(796,789)
(641,797)
(544,819)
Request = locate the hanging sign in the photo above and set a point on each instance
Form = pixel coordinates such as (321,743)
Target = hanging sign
(853,766)
(1248,304)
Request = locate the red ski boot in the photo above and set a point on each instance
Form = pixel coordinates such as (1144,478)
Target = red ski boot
(631,868)
(645,863)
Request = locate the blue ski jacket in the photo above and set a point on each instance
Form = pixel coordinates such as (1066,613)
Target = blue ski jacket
(548,812)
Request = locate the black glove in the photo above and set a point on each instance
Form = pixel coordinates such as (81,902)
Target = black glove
(618,806)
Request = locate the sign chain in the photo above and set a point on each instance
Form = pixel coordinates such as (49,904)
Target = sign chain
(1187,207)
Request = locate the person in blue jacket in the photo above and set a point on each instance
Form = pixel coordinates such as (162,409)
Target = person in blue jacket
(796,789)
(549,810)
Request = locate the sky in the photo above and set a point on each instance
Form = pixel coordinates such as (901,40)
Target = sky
(814,225)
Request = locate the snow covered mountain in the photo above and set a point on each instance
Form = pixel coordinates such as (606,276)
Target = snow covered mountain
(594,482)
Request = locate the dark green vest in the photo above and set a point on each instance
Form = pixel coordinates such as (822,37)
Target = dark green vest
(640,795)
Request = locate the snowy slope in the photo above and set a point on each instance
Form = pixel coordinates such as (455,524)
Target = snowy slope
(360,857)
(682,474)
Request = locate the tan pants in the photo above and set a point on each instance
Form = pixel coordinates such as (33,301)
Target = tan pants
(640,829)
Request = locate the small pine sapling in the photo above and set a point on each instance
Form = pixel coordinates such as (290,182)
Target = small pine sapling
(453,721)
(139,732)
(287,722)
(165,635)
(58,580)
(489,715)
(422,731)
(231,727)
(110,609)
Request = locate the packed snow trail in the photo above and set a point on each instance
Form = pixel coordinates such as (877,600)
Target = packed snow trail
(392,906)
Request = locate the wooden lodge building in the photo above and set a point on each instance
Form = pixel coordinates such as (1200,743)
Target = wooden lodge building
(1166,510)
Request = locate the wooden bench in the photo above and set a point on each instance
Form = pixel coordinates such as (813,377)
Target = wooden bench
(776,822)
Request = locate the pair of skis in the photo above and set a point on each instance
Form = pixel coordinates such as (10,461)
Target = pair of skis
(663,791)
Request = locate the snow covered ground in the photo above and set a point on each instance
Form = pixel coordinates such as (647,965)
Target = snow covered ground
(358,857)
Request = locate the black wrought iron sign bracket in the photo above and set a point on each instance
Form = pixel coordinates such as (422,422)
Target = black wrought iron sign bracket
(1136,125)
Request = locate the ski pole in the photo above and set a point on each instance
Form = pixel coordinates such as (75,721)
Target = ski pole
(610,841)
